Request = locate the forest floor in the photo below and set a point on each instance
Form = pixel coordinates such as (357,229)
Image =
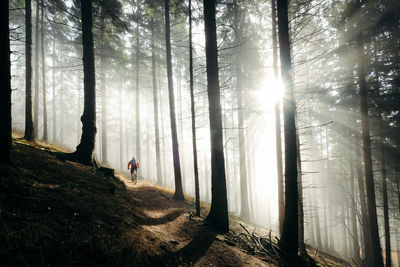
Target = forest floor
(55,212)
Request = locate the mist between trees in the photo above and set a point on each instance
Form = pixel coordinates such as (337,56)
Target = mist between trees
(342,63)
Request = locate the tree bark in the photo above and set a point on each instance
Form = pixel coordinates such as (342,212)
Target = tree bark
(85,150)
(369,176)
(302,245)
(104,146)
(29,132)
(364,212)
(36,105)
(244,189)
(289,237)
(5,90)
(193,113)
(54,91)
(137,105)
(353,213)
(388,252)
(175,146)
(121,142)
(278,134)
(155,104)
(45,131)
(219,208)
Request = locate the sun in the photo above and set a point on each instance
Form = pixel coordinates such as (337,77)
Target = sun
(273,89)
(270,92)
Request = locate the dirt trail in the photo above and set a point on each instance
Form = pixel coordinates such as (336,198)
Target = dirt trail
(171,235)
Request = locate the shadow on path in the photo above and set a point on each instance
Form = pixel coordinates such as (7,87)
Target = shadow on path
(145,220)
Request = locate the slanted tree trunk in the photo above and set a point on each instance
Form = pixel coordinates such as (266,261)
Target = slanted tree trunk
(36,105)
(155,104)
(219,207)
(45,133)
(193,113)
(85,150)
(289,237)
(175,146)
(5,89)
(278,134)
(369,176)
(29,132)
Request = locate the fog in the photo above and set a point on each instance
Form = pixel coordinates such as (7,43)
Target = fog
(325,87)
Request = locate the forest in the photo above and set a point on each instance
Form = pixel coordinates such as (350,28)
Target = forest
(283,114)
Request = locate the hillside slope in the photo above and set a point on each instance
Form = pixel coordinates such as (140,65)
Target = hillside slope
(55,212)
(60,213)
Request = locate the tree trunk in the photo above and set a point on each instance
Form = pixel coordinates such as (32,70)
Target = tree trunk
(364,213)
(388,253)
(244,189)
(353,213)
(302,246)
(85,150)
(289,237)
(175,146)
(317,219)
(104,146)
(137,105)
(54,92)
(193,113)
(36,106)
(180,120)
(277,122)
(29,132)
(5,90)
(121,142)
(373,220)
(45,133)
(219,208)
(155,104)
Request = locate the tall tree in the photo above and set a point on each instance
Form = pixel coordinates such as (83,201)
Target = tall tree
(244,189)
(137,104)
(29,133)
(36,104)
(388,250)
(45,133)
(192,110)
(289,237)
(366,140)
(104,146)
(155,103)
(277,110)
(85,150)
(5,78)
(175,147)
(219,207)
(53,72)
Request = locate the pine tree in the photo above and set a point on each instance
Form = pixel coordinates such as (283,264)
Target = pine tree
(219,207)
